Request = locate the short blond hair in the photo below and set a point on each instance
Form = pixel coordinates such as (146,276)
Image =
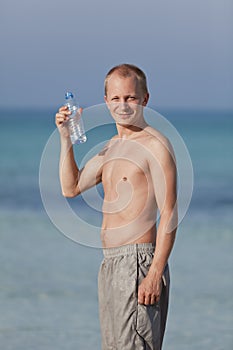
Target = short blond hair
(127,70)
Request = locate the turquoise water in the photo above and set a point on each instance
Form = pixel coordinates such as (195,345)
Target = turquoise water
(48,290)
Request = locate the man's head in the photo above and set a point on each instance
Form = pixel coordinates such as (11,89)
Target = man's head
(125,93)
(127,70)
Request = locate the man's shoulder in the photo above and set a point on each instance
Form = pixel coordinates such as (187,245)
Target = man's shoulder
(156,140)
(160,148)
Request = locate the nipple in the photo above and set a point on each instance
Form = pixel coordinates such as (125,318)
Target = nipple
(124,178)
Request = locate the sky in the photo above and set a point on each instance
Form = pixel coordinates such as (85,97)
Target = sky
(49,47)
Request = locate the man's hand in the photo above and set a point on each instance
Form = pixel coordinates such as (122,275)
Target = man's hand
(149,290)
(61,120)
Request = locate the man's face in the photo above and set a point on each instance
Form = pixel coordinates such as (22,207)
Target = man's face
(125,99)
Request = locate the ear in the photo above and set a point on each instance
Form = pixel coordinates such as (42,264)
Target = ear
(144,103)
(106,101)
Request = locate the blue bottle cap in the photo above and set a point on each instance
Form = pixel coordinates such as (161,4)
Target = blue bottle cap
(69,95)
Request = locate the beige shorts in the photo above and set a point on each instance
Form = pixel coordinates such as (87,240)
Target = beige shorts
(125,324)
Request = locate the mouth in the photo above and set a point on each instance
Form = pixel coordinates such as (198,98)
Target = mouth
(125,115)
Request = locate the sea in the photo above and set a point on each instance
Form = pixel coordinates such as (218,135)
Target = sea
(48,279)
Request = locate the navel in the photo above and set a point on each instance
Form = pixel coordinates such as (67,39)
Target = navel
(124,178)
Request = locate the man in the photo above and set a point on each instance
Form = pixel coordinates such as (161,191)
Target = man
(138,172)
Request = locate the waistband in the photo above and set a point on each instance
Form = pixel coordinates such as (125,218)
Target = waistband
(129,249)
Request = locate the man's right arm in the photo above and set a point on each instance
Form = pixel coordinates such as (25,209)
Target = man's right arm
(74,181)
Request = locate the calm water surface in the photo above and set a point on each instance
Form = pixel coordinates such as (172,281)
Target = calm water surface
(48,289)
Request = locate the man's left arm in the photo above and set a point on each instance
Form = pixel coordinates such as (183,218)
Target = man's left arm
(163,173)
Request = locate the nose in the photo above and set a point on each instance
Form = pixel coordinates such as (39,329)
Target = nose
(123,104)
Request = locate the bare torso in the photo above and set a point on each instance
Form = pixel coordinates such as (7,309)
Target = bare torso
(129,207)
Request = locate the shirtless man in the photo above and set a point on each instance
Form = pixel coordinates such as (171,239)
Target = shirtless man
(138,172)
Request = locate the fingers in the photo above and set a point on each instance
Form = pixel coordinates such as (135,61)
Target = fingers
(62,115)
(150,300)
(141,298)
(153,299)
(64,109)
(147,298)
(61,118)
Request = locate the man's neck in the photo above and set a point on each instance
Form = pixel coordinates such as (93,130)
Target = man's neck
(127,131)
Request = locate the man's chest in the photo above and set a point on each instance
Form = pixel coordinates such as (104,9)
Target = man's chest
(125,162)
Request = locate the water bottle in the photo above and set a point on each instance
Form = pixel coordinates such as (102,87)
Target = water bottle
(75,122)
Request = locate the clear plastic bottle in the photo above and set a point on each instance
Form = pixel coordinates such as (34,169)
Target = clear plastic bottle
(76,128)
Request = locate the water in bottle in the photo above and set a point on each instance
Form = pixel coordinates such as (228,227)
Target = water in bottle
(76,128)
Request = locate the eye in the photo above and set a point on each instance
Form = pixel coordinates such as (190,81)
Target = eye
(131,98)
(115,98)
